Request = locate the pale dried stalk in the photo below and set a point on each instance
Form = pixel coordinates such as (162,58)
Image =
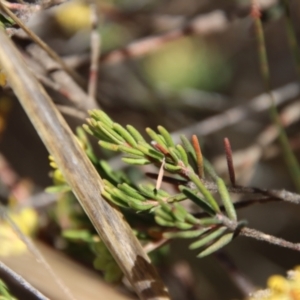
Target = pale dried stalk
(80,175)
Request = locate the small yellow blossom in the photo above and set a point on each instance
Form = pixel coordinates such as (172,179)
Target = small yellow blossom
(281,288)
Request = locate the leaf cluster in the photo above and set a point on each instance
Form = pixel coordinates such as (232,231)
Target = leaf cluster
(184,162)
(188,169)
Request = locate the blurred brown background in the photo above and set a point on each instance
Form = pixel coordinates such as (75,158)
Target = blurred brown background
(209,67)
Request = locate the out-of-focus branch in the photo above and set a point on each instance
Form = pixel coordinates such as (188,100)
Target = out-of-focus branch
(257,235)
(236,114)
(230,116)
(62,81)
(80,175)
(215,21)
(43,45)
(95,53)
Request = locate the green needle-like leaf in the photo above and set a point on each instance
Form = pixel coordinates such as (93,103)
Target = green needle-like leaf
(136,161)
(166,135)
(229,207)
(111,134)
(156,137)
(127,189)
(137,136)
(205,192)
(109,146)
(125,134)
(223,241)
(208,238)
(183,155)
(100,115)
(163,222)
(198,200)
(130,150)
(188,234)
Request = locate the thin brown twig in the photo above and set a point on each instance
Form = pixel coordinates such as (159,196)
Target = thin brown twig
(95,53)
(257,235)
(215,21)
(229,117)
(212,22)
(212,187)
(229,160)
(72,112)
(62,82)
(238,113)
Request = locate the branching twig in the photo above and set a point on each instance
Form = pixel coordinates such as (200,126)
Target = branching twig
(257,235)
(95,53)
(236,114)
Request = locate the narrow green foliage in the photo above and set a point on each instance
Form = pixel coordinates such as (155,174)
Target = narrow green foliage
(209,169)
(111,134)
(87,129)
(148,151)
(149,192)
(130,150)
(81,134)
(182,225)
(292,37)
(198,200)
(172,168)
(188,148)
(208,221)
(229,207)
(180,160)
(138,205)
(114,177)
(136,161)
(166,135)
(214,234)
(183,155)
(137,136)
(192,220)
(125,134)
(131,191)
(159,212)
(220,243)
(109,146)
(4,292)
(156,137)
(163,222)
(107,195)
(63,188)
(175,156)
(188,234)
(100,115)
(132,202)
(78,234)
(95,130)
(177,197)
(106,263)
(179,212)
(205,192)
